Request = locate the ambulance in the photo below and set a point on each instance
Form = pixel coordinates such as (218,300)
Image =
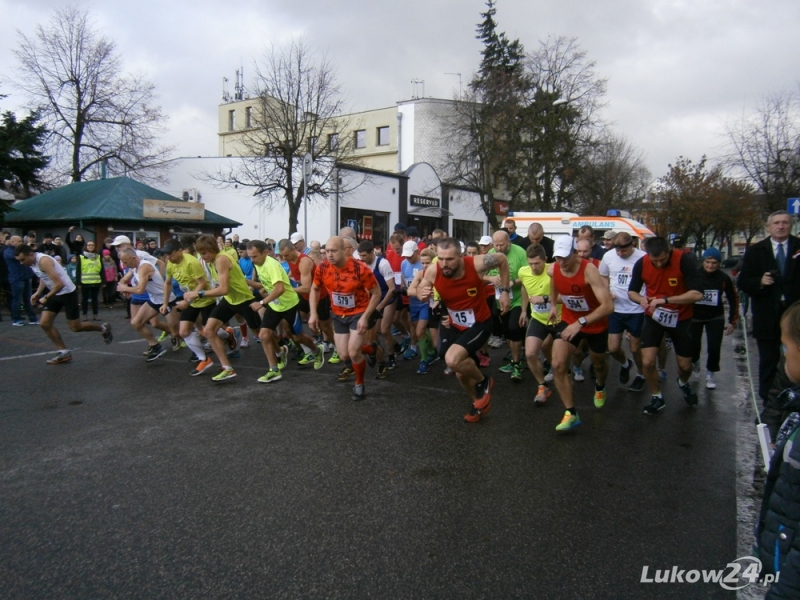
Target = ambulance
(561,223)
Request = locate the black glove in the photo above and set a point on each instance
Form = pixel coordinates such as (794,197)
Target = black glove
(789,400)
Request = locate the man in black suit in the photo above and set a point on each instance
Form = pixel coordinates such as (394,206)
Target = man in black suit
(770,275)
(536,236)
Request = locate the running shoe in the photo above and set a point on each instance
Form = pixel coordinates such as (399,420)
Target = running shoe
(233,354)
(423,367)
(495,341)
(334,359)
(688,393)
(345,374)
(245,343)
(410,354)
(507,368)
(668,343)
(577,374)
(307,359)
(18,323)
(358,391)
(569,421)
(194,358)
(162,337)
(61,357)
(483,393)
(391,362)
(448,371)
(319,359)
(711,384)
(153,352)
(34,322)
(176,344)
(484,360)
(405,344)
(231,341)
(662,375)
(108,337)
(283,357)
(383,372)
(637,385)
(516,372)
(625,372)
(224,375)
(542,395)
(599,398)
(474,415)
(202,367)
(656,404)
(549,375)
(270,376)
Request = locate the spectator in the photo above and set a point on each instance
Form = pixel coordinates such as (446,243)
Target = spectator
(771,277)
(75,246)
(587,233)
(510,227)
(90,267)
(608,241)
(19,280)
(110,276)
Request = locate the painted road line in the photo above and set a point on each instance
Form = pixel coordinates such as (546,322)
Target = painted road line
(37,354)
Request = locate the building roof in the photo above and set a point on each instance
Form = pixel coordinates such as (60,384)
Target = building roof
(107,200)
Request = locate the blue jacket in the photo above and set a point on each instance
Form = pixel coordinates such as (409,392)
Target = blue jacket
(16,272)
(777,535)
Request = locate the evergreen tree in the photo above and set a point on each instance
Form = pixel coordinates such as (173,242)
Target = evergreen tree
(21,158)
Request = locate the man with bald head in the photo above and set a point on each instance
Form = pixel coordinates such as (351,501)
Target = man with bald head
(536,236)
(19,280)
(354,294)
(514,333)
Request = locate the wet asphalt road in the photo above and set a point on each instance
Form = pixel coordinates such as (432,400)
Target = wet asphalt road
(127,479)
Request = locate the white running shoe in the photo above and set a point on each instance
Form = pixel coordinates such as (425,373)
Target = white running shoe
(711,384)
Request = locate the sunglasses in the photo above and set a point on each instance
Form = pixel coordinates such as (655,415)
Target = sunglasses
(621,246)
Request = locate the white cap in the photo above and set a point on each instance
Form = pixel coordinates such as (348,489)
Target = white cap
(563,246)
(297,237)
(485,241)
(409,248)
(121,239)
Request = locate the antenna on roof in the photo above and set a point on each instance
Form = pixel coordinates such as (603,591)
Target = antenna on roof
(416,85)
(239,88)
(226,97)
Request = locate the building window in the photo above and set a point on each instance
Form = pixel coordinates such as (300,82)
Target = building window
(383,136)
(333,141)
(231,120)
(361,138)
(248,117)
(467,231)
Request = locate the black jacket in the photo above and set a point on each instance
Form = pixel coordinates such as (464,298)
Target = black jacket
(767,304)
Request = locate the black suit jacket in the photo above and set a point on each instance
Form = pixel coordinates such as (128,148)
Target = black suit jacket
(767,304)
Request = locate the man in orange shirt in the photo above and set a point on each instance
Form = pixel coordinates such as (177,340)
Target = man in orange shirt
(354,294)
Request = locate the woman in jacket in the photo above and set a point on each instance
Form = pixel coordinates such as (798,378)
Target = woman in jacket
(777,536)
(90,267)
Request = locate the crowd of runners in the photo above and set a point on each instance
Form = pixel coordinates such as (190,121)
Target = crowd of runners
(436,305)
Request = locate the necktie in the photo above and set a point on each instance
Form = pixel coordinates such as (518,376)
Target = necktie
(780,257)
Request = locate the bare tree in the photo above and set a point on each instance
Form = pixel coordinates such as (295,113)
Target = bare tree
(764,144)
(559,126)
(612,175)
(95,113)
(298,109)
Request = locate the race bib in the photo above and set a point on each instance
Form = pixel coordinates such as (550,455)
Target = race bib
(498,292)
(623,279)
(576,303)
(343,300)
(710,298)
(542,308)
(666,317)
(462,318)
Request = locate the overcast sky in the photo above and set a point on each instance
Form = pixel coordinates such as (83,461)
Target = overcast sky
(677,70)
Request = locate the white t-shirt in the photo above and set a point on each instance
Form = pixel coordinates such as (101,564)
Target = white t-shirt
(68,288)
(384,268)
(154,287)
(619,272)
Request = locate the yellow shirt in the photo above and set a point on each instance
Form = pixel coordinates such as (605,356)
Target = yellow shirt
(238,290)
(537,285)
(186,273)
(270,273)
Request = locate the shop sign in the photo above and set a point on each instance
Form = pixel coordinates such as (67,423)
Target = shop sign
(501,207)
(165,209)
(425,202)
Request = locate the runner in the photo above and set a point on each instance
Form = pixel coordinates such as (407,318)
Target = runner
(354,295)
(61,293)
(540,333)
(586,306)
(279,302)
(145,278)
(381,335)
(191,276)
(235,299)
(616,268)
(669,277)
(513,332)
(459,282)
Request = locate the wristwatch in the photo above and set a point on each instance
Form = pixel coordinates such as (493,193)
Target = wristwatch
(546,299)
(200,293)
(582,321)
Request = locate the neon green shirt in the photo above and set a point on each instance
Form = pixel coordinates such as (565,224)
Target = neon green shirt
(269,274)
(186,273)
